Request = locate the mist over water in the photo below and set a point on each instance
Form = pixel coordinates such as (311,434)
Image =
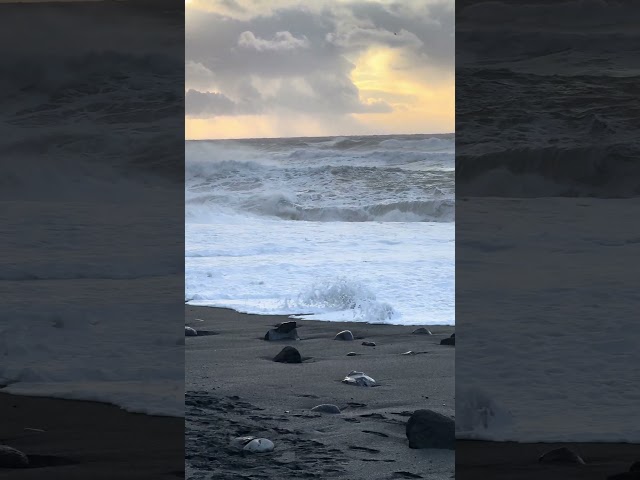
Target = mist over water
(338,228)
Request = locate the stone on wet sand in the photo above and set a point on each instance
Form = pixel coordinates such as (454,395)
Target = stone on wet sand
(326,408)
(12,458)
(344,335)
(288,355)
(561,455)
(259,445)
(448,341)
(352,354)
(422,331)
(369,344)
(283,331)
(359,379)
(286,327)
(190,332)
(410,352)
(239,443)
(429,429)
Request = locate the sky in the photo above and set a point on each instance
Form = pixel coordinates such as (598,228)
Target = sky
(288,68)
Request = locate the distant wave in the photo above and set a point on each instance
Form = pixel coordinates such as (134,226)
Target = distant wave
(390,179)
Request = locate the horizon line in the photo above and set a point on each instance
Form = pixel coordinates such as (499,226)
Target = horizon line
(314,136)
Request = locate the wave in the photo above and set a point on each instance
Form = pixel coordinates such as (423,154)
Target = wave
(608,171)
(282,206)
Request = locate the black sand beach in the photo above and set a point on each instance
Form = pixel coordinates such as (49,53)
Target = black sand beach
(476,460)
(234,388)
(75,440)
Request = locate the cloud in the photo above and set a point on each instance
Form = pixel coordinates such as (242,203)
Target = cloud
(299,58)
(282,41)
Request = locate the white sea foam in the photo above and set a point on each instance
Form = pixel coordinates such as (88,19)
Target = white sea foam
(337,229)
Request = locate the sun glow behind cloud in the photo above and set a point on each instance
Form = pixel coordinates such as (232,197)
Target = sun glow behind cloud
(397,91)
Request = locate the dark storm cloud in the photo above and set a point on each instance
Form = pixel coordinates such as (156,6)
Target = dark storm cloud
(296,57)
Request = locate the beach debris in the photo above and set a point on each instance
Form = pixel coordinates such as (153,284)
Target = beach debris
(344,335)
(326,408)
(259,445)
(190,332)
(283,331)
(561,455)
(12,458)
(369,344)
(421,331)
(410,352)
(288,355)
(359,379)
(448,341)
(429,429)
(352,354)
(238,443)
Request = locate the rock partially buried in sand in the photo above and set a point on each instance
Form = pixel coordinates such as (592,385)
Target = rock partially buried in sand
(12,458)
(369,344)
(429,429)
(283,331)
(190,332)
(352,354)
(326,408)
(410,352)
(238,443)
(288,355)
(448,341)
(259,445)
(561,455)
(422,331)
(359,379)
(345,335)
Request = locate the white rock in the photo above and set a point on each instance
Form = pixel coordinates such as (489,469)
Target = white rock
(359,379)
(259,445)
(239,442)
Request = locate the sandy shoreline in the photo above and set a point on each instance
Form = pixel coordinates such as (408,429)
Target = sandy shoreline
(476,460)
(234,388)
(77,440)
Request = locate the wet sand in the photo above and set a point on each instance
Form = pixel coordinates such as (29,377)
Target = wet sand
(234,388)
(476,460)
(76,440)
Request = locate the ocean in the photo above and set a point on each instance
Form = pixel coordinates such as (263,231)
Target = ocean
(548,190)
(357,228)
(92,272)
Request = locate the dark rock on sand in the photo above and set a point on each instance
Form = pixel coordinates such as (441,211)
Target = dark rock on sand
(288,355)
(12,458)
(351,354)
(283,331)
(429,429)
(448,341)
(369,344)
(190,332)
(422,331)
(561,455)
(344,335)
(286,327)
(326,408)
